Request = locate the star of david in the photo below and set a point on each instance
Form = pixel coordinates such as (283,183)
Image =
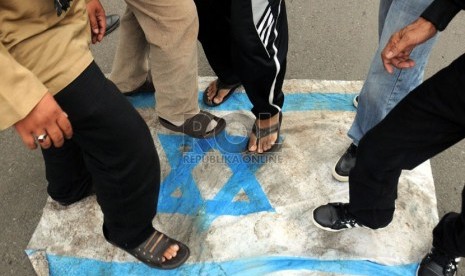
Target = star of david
(179,192)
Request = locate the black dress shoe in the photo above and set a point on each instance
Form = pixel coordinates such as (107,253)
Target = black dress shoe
(146,87)
(112,23)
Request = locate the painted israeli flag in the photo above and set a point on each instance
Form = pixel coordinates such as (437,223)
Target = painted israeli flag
(251,215)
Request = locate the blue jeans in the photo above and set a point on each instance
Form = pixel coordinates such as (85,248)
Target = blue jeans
(381,90)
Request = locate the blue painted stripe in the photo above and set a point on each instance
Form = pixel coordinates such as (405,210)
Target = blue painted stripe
(70,266)
(293,102)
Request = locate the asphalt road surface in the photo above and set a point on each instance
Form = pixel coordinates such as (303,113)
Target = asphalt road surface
(329,39)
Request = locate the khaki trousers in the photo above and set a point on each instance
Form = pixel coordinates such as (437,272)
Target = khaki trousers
(159,40)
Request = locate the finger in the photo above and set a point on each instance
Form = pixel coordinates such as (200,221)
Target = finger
(93,27)
(401,63)
(65,125)
(56,136)
(43,139)
(387,63)
(102,26)
(388,53)
(406,64)
(94,23)
(390,50)
(388,67)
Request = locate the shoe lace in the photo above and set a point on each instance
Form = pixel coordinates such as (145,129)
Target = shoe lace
(448,263)
(346,218)
(451,267)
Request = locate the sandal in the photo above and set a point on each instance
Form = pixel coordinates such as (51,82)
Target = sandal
(197,126)
(150,252)
(263,132)
(220,86)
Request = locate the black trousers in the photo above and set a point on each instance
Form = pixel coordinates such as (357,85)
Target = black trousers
(247,41)
(111,150)
(427,121)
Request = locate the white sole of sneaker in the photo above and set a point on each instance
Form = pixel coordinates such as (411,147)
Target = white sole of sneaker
(355,101)
(338,177)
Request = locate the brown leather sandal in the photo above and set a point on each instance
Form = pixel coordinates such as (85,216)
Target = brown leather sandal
(150,252)
(197,126)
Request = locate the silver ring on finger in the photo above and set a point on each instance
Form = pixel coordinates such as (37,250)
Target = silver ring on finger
(41,138)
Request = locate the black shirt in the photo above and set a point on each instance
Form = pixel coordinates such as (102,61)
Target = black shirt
(441,12)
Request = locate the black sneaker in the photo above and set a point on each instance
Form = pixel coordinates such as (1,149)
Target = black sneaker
(355,101)
(437,263)
(334,217)
(345,164)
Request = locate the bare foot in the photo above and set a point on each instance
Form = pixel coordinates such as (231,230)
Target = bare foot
(267,142)
(211,90)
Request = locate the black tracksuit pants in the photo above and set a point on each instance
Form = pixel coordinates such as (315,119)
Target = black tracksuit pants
(246,41)
(427,121)
(111,150)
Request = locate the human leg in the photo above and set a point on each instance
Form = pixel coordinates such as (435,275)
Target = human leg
(381,90)
(427,121)
(260,40)
(68,178)
(173,54)
(119,153)
(130,66)
(122,160)
(449,234)
(215,37)
(448,245)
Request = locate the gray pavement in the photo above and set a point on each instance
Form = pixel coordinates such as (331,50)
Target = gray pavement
(328,40)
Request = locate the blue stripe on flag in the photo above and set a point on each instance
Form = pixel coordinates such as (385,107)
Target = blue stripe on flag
(70,266)
(293,102)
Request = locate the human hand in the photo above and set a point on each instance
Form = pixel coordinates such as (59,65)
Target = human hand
(97,20)
(47,118)
(401,44)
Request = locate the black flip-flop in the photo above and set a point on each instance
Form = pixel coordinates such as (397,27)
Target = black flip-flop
(220,86)
(263,132)
(197,126)
(150,252)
